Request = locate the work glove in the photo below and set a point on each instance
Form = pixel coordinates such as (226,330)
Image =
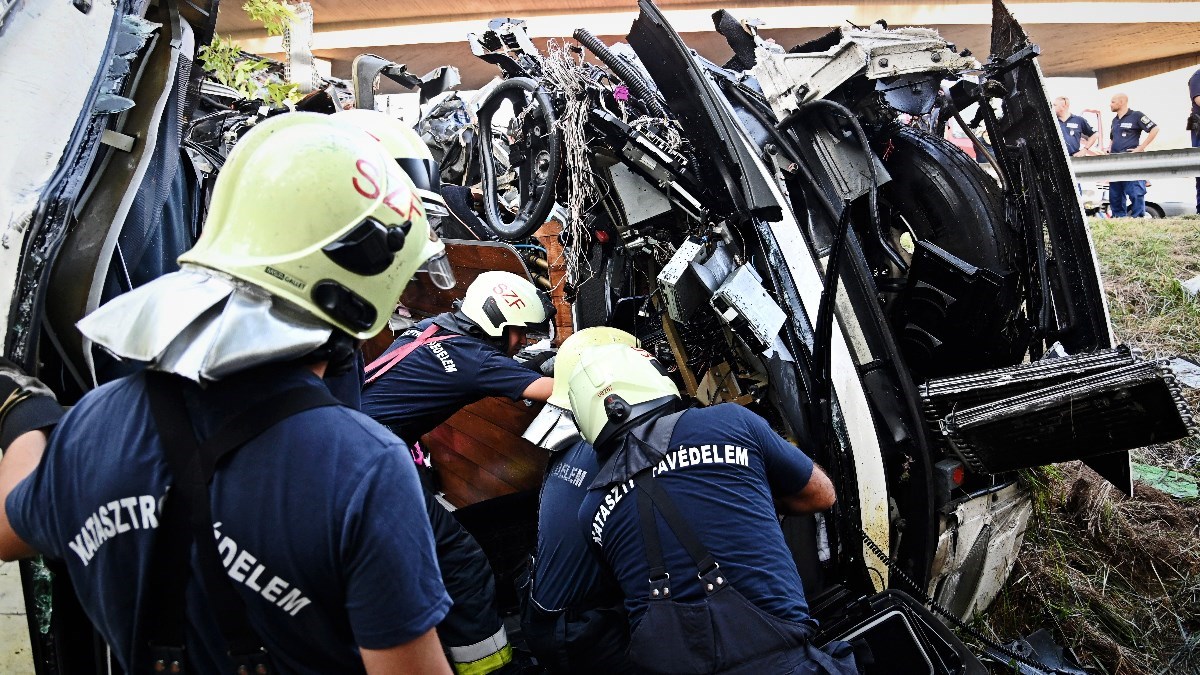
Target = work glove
(539,362)
(25,404)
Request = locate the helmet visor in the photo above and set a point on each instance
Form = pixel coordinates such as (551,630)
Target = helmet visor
(441,273)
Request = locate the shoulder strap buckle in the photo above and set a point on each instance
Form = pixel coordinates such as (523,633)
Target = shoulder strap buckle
(169,660)
(255,662)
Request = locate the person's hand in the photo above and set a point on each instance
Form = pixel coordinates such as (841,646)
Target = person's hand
(25,403)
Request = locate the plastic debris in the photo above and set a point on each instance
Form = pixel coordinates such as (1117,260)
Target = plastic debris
(1175,483)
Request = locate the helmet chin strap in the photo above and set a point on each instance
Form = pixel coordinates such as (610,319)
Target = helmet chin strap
(338,353)
(458,322)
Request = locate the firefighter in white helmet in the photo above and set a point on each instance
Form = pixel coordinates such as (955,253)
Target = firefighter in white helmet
(682,512)
(306,556)
(431,372)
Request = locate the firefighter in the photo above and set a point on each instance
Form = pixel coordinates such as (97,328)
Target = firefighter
(429,373)
(1128,197)
(682,512)
(572,616)
(309,560)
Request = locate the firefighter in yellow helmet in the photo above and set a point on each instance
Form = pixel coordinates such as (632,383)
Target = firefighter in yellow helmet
(410,152)
(299,511)
(572,618)
(682,512)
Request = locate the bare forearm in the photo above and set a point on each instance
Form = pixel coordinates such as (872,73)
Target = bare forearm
(818,495)
(20,459)
(1149,139)
(539,390)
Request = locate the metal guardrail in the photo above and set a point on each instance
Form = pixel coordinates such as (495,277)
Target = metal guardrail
(1151,164)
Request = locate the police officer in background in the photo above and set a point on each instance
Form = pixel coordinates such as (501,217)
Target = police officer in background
(311,506)
(1128,197)
(1076,131)
(1193,123)
(432,371)
(572,616)
(683,512)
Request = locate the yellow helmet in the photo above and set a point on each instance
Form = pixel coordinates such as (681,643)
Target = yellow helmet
(570,350)
(614,384)
(407,148)
(316,213)
(499,299)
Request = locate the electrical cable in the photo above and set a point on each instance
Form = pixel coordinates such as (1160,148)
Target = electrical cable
(920,595)
(623,70)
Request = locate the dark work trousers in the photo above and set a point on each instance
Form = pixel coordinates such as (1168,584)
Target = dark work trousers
(1133,192)
(1196,144)
(473,619)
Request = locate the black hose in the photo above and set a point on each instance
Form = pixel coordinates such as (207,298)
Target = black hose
(872,193)
(623,70)
(532,214)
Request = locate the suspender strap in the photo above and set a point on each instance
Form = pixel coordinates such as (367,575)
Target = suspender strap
(649,525)
(187,518)
(388,361)
(652,497)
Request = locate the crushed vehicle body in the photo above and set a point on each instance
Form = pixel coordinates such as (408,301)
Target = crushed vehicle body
(788,231)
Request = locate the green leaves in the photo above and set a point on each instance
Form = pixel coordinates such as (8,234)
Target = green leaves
(246,73)
(273,15)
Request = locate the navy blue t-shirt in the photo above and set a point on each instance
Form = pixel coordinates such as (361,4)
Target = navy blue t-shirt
(320,523)
(723,466)
(1126,132)
(1074,129)
(1193,92)
(439,379)
(565,569)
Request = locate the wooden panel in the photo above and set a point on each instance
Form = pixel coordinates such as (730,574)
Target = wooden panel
(512,416)
(479,453)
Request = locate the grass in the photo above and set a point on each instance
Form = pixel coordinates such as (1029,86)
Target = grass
(1117,578)
(1144,263)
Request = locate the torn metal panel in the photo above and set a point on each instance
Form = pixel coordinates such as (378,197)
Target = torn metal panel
(977,547)
(107,49)
(705,116)
(790,80)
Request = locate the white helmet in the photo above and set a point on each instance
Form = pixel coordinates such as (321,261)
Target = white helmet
(496,300)
(570,351)
(614,384)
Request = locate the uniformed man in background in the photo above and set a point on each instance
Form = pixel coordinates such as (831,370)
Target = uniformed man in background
(1128,197)
(1076,132)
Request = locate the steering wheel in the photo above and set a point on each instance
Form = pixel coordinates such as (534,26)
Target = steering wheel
(535,154)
